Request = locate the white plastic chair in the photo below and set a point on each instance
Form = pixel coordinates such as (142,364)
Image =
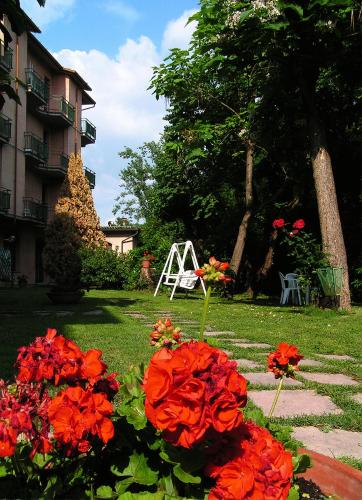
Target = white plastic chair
(290,287)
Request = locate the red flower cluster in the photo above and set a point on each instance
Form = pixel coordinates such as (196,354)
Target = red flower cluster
(17,411)
(299,224)
(165,334)
(250,464)
(284,360)
(58,360)
(191,390)
(79,415)
(214,271)
(278,223)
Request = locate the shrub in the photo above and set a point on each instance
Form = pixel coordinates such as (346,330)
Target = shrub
(101,268)
(61,260)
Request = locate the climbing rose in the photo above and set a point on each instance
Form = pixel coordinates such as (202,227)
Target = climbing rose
(249,463)
(278,223)
(299,224)
(284,360)
(191,390)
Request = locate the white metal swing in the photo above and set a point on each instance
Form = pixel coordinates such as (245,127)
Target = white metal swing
(182,278)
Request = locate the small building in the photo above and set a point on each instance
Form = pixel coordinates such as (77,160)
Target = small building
(122,239)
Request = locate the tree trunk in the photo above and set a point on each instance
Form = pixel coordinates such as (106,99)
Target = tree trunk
(263,271)
(329,218)
(240,241)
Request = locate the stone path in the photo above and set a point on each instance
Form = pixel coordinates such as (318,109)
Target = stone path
(296,400)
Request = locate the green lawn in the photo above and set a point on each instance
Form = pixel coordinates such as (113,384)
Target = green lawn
(124,339)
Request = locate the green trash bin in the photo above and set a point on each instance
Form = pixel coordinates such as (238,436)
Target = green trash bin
(331,280)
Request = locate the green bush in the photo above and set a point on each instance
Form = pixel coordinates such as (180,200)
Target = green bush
(101,268)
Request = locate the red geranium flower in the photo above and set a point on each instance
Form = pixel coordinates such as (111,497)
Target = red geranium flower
(249,463)
(284,360)
(299,224)
(278,223)
(192,390)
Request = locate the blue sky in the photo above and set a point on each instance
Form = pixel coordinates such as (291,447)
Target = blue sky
(113,44)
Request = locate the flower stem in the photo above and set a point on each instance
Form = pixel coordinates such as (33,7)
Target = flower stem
(204,313)
(276,397)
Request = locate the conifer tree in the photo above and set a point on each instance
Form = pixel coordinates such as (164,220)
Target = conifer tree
(76,201)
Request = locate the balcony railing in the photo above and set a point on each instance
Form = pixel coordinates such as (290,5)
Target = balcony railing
(88,132)
(6,57)
(4,200)
(5,128)
(35,210)
(35,147)
(59,105)
(58,163)
(36,85)
(91,176)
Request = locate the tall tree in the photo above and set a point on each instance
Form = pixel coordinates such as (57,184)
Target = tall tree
(76,201)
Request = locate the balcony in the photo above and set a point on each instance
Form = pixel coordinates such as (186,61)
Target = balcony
(91,176)
(35,210)
(6,57)
(38,91)
(5,128)
(57,165)
(35,150)
(4,200)
(88,132)
(58,112)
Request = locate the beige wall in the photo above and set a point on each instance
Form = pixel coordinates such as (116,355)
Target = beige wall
(116,241)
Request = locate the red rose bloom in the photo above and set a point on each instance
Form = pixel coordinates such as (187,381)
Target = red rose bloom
(278,223)
(299,224)
(192,390)
(284,360)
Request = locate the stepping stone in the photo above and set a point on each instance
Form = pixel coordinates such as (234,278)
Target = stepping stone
(95,312)
(64,313)
(335,443)
(269,379)
(358,397)
(235,340)
(329,378)
(247,363)
(310,362)
(246,345)
(336,357)
(229,353)
(216,334)
(185,322)
(295,403)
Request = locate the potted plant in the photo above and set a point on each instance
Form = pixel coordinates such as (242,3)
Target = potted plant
(62,262)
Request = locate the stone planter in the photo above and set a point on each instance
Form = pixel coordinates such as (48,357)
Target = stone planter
(333,477)
(59,297)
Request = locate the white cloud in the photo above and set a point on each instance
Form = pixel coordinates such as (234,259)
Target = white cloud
(126,112)
(121,9)
(53,10)
(178,33)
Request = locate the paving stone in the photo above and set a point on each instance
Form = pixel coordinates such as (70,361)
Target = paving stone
(310,362)
(295,403)
(186,322)
(335,443)
(329,378)
(255,345)
(336,357)
(95,312)
(247,363)
(216,334)
(229,353)
(64,313)
(234,340)
(267,378)
(358,397)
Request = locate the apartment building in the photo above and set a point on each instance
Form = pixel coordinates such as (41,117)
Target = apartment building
(36,139)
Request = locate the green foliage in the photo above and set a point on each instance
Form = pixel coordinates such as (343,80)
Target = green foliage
(101,268)
(61,253)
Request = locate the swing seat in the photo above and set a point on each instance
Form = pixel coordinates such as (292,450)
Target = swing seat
(188,280)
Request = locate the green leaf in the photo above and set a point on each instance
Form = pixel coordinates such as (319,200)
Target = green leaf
(185,477)
(145,495)
(104,492)
(3,471)
(301,463)
(134,411)
(293,493)
(138,470)
(256,415)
